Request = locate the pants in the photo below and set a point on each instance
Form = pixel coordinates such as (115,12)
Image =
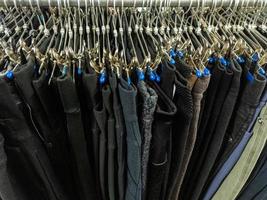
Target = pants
(133,140)
(84,180)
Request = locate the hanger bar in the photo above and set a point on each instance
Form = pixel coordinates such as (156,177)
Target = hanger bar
(130,3)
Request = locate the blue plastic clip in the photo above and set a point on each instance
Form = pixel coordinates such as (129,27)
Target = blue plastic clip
(140,75)
(240,59)
(129,81)
(102,78)
(250,77)
(10,75)
(172,53)
(157,77)
(212,60)
(223,61)
(65,70)
(206,72)
(172,61)
(255,57)
(180,54)
(79,71)
(151,74)
(261,71)
(198,73)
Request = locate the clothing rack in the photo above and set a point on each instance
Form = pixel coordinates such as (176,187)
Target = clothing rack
(137,3)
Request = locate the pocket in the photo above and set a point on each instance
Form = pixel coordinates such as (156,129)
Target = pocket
(156,177)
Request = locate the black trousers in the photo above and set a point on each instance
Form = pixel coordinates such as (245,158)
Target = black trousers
(59,152)
(83,169)
(7,189)
(27,158)
(160,148)
(91,95)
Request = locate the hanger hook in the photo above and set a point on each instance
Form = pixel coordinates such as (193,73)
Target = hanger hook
(58,5)
(79,6)
(6,4)
(38,6)
(49,4)
(15,5)
(30,2)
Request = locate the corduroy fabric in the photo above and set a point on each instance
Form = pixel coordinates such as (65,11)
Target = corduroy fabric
(198,89)
(182,120)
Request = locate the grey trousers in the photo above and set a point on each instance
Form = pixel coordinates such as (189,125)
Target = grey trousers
(133,140)
(150,98)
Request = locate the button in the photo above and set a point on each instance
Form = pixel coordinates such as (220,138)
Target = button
(260,120)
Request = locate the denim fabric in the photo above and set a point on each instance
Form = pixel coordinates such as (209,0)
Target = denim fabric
(150,98)
(83,170)
(133,140)
(120,136)
(228,165)
(238,176)
(198,89)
